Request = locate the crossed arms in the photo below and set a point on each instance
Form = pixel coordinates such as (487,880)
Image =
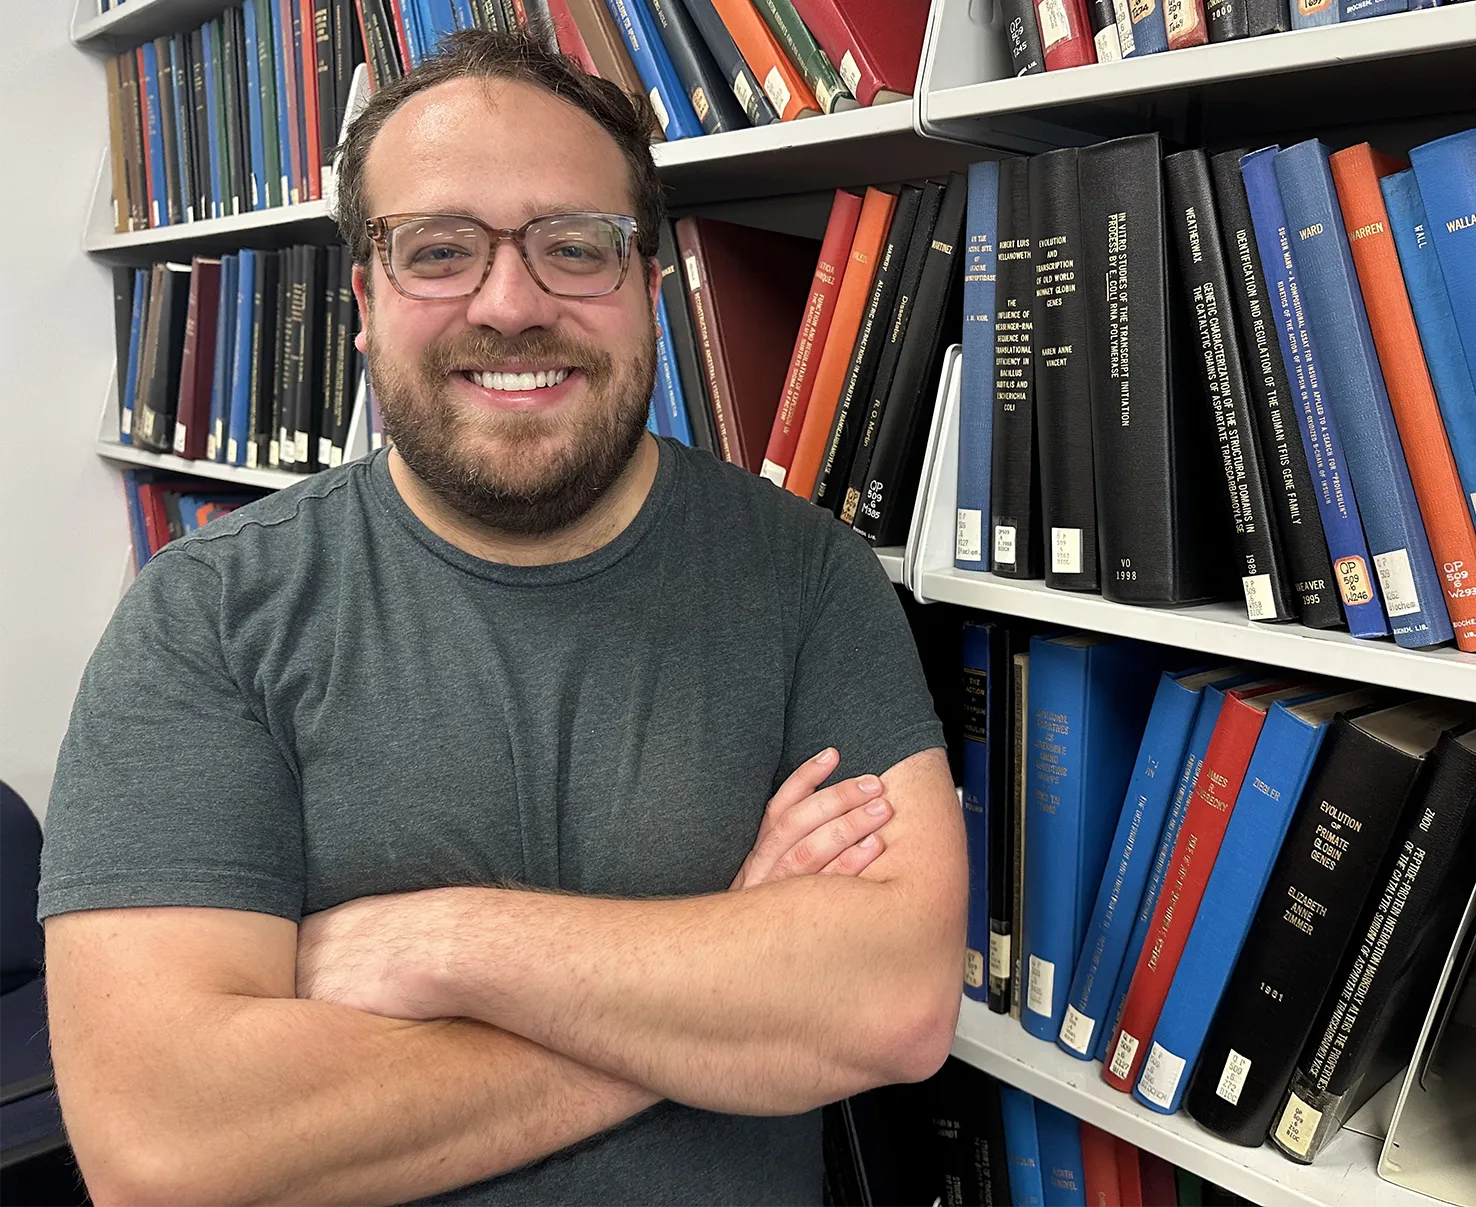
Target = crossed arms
(398,1046)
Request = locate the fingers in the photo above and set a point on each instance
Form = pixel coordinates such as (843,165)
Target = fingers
(855,860)
(822,846)
(780,832)
(803,781)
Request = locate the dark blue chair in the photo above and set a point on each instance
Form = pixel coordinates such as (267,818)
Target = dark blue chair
(35,1160)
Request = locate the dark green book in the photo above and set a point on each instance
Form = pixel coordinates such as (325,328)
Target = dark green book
(266,82)
(805,53)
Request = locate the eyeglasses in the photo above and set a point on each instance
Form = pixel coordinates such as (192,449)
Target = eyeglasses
(437,256)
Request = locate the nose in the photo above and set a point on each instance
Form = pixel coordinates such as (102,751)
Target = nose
(510,300)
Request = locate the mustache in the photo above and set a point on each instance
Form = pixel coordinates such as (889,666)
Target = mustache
(485,346)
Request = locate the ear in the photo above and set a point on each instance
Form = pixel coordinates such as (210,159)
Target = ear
(653,283)
(361,296)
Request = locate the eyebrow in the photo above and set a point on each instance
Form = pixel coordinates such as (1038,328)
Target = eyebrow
(534,211)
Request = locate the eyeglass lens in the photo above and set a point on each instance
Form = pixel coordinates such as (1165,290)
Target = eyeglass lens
(576,255)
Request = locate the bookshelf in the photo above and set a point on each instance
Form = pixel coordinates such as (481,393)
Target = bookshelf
(1338,81)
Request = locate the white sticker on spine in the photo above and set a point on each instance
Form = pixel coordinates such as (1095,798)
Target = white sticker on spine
(776,90)
(1042,985)
(1004,544)
(1123,14)
(968,545)
(1161,1073)
(1122,1056)
(1395,577)
(1055,26)
(1178,17)
(694,273)
(661,114)
(774,473)
(1109,46)
(1066,550)
(999,957)
(179,437)
(1232,1077)
(1298,1126)
(743,91)
(849,72)
(973,968)
(1259,604)
(1076,1030)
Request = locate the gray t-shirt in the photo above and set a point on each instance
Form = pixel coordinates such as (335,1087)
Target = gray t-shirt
(316,699)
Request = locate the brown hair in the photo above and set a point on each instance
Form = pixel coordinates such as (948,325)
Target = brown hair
(480,54)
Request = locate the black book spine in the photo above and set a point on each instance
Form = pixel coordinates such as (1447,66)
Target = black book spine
(1322,877)
(1026,56)
(716,105)
(1267,17)
(1103,18)
(168,115)
(272,267)
(263,320)
(309,365)
(148,348)
(1014,504)
(911,270)
(289,358)
(324,69)
(348,53)
(1206,299)
(1400,944)
(999,719)
(345,357)
(1149,435)
(684,342)
(200,129)
(840,445)
(1228,19)
(328,355)
(964,1117)
(221,173)
(742,83)
(1292,496)
(1062,385)
(157,429)
(184,99)
(122,328)
(885,507)
(231,97)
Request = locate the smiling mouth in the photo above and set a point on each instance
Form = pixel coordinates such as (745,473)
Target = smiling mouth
(516,381)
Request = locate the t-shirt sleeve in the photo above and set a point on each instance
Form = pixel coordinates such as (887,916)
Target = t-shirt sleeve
(858,684)
(169,789)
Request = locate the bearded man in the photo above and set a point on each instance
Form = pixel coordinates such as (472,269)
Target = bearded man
(451,823)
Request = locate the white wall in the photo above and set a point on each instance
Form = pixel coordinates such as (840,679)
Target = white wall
(63,527)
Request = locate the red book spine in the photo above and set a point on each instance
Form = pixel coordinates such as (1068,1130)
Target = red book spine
(156,523)
(571,41)
(1185,22)
(1198,843)
(1157,1176)
(402,40)
(874,44)
(197,363)
(1065,33)
(1129,1174)
(309,51)
(835,250)
(1099,1167)
(287,65)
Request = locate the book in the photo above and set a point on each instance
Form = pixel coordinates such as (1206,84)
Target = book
(885,505)
(804,52)
(1134,843)
(263,360)
(1150,34)
(607,47)
(1106,33)
(1157,1178)
(976,411)
(1308,14)
(706,86)
(158,385)
(670,384)
(743,84)
(1228,20)
(1020,801)
(1446,172)
(1365,1028)
(876,45)
(968,1134)
(1357,10)
(1101,1183)
(1442,505)
(1185,23)
(747,289)
(135,139)
(1188,1187)
(1065,33)
(1269,794)
(853,349)
(305,54)
(1208,310)
(172,121)
(129,393)
(782,84)
(809,344)
(1409,585)
(1455,388)
(197,360)
(1059,1135)
(289,96)
(1129,1174)
(1014,483)
(1291,492)
(1149,436)
(1022,1147)
(1321,440)
(1062,375)
(1267,17)
(1321,879)
(324,401)
(1242,715)
(684,342)
(148,74)
(240,431)
(636,25)
(1023,36)
(225,353)
(1089,702)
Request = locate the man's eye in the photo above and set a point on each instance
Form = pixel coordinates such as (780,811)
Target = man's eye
(439,258)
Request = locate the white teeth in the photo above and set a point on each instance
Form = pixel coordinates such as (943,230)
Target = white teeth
(517,381)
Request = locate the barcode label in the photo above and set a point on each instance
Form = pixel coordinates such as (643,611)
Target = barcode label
(776,90)
(179,437)
(694,273)
(1178,16)
(999,957)
(125,423)
(1232,1077)
(1004,544)
(253,455)
(274,452)
(1298,1126)
(1076,1030)
(1400,596)
(325,449)
(1122,1056)
(232,448)
(1066,550)
(1042,985)
(299,447)
(1161,1073)
(1353,582)
(661,114)
(774,473)
(973,968)
(743,91)
(1055,25)
(211,447)
(1259,604)
(968,544)
(1109,47)
(849,72)
(335,457)
(699,103)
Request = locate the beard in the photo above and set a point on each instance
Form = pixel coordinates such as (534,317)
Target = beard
(548,470)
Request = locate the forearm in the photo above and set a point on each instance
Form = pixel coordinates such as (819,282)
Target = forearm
(270,1100)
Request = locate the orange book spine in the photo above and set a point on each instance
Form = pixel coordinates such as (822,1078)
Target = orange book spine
(809,344)
(782,84)
(850,307)
(1099,1167)
(1432,469)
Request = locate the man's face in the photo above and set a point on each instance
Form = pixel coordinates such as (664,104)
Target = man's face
(523,461)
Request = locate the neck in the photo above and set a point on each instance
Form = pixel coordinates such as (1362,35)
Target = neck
(595,529)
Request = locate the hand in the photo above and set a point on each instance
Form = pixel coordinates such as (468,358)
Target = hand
(832,831)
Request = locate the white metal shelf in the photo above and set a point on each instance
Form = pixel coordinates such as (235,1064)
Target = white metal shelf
(282,219)
(1221,629)
(891,559)
(271,479)
(1345,1174)
(135,21)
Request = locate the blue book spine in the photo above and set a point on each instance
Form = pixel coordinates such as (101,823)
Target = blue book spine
(220,377)
(135,339)
(1306,14)
(1022,1147)
(1414,599)
(681,427)
(652,425)
(1357,10)
(436,21)
(253,110)
(1336,504)
(238,435)
(1199,740)
(1263,810)
(183,107)
(415,37)
(1446,171)
(1150,34)
(137,530)
(1059,1134)
(282,76)
(1449,372)
(1134,844)
(1089,700)
(212,116)
(976,642)
(638,29)
(976,405)
(158,197)
(464,16)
